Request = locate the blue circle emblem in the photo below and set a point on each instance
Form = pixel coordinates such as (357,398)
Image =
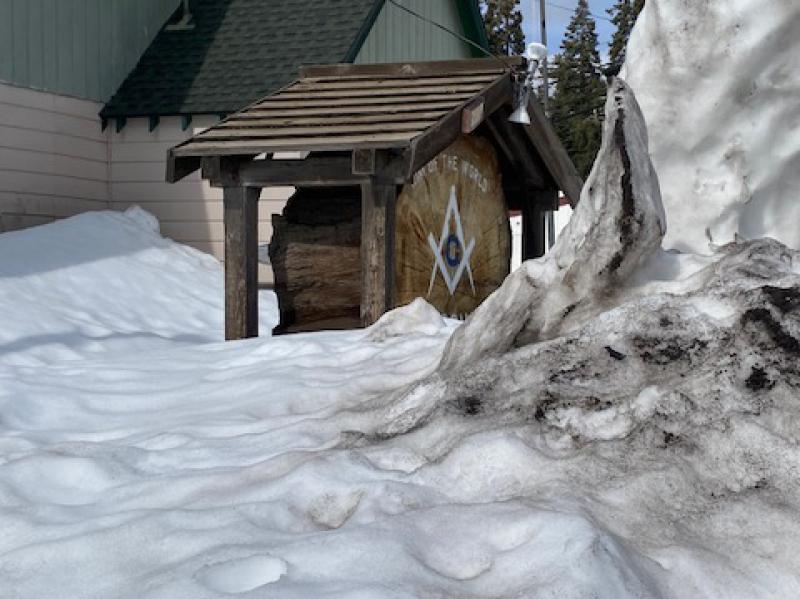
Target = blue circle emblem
(453,251)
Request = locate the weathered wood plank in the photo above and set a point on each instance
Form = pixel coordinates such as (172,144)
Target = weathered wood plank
(277,102)
(178,167)
(472,115)
(555,157)
(521,152)
(329,119)
(313,171)
(435,139)
(349,110)
(313,94)
(383,82)
(314,144)
(412,69)
(248,131)
(241,262)
(364,162)
(377,249)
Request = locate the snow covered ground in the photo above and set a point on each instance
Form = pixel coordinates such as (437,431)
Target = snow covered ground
(141,457)
(651,452)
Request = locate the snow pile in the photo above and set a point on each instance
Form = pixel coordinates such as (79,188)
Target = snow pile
(617,226)
(718,82)
(652,453)
(103,282)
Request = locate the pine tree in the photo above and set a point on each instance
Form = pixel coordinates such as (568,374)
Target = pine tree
(577,105)
(623,14)
(503,22)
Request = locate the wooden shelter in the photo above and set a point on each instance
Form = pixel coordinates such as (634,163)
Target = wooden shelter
(351,243)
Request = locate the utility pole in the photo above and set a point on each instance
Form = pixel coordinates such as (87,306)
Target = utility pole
(543,30)
(551,217)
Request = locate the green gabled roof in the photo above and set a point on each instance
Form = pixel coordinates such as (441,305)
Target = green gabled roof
(242,50)
(238,51)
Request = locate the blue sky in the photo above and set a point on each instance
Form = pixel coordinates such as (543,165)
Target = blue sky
(559,13)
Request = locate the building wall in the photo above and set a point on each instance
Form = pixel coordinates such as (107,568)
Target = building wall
(81,48)
(399,36)
(189,211)
(53,157)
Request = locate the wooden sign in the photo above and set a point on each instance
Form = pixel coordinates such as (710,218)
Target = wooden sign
(452,239)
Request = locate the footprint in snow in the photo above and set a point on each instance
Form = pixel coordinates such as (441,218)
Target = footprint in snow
(242,575)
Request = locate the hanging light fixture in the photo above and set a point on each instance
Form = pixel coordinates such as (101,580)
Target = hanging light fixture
(536,55)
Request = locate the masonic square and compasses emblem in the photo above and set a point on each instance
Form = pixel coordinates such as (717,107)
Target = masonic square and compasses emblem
(451,254)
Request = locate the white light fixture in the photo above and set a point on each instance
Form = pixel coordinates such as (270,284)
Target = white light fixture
(536,54)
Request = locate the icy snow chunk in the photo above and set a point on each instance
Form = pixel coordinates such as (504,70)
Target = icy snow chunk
(143,218)
(243,575)
(418,317)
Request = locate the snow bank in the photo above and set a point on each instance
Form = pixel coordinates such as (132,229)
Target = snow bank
(718,82)
(103,282)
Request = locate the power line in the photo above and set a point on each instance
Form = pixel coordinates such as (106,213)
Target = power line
(451,32)
(571,10)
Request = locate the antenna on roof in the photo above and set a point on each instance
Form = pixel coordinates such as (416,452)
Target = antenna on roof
(186,21)
(536,55)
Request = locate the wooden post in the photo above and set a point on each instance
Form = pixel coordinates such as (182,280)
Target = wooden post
(378,200)
(537,202)
(241,262)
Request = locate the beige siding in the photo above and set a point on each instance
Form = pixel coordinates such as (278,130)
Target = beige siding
(189,211)
(53,157)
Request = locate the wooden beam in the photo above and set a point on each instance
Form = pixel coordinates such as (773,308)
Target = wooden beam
(521,152)
(472,116)
(412,69)
(310,172)
(241,261)
(377,249)
(179,167)
(544,139)
(363,162)
(428,145)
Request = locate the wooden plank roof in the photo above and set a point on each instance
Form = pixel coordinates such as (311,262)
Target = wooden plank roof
(414,109)
(361,108)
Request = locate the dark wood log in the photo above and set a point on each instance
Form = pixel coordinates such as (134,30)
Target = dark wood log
(377,249)
(241,261)
(315,255)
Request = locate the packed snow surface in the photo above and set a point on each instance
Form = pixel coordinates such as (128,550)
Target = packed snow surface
(718,82)
(136,462)
(106,282)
